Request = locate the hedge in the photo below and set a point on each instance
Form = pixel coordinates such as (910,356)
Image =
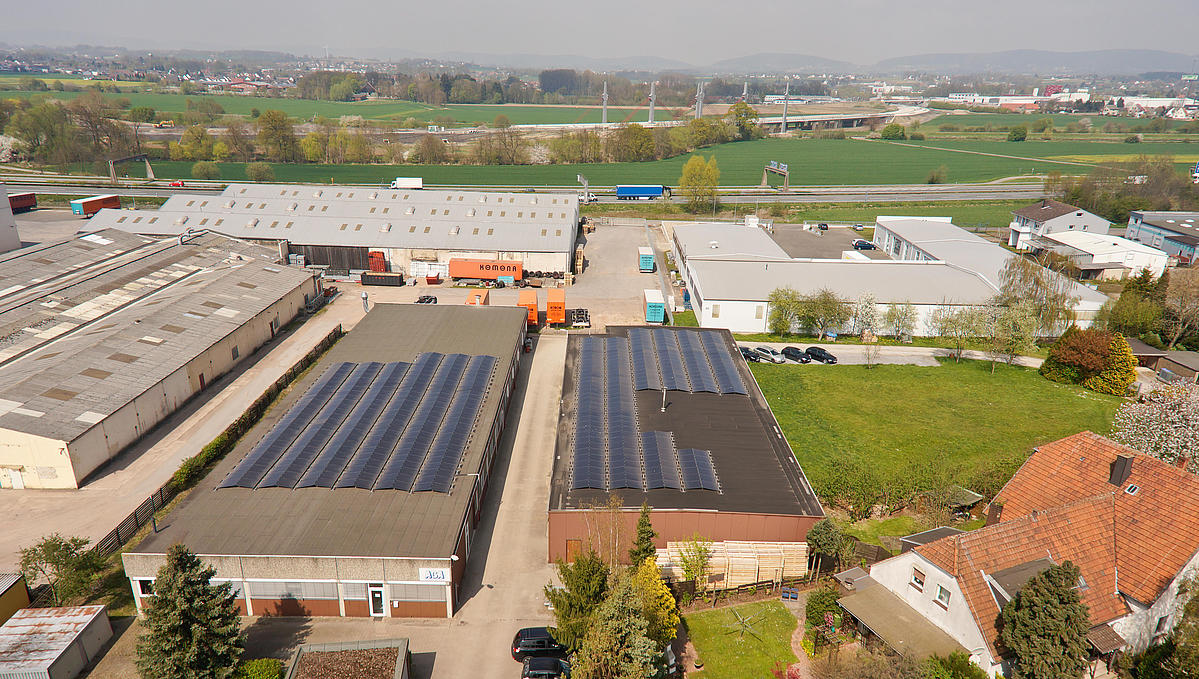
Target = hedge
(262,668)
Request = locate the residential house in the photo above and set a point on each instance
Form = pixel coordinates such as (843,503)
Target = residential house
(1050,216)
(1103,256)
(1128,521)
(1176,233)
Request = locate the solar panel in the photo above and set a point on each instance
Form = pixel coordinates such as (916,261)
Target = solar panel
(698,370)
(336,454)
(380,441)
(661,460)
(263,455)
(589,447)
(401,469)
(723,367)
(624,452)
(670,361)
(292,464)
(698,473)
(438,472)
(645,361)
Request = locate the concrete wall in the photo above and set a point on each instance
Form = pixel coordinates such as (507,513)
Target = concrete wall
(13,599)
(9,238)
(1138,627)
(31,461)
(676,525)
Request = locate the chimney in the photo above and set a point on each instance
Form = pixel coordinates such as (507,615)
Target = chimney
(994,512)
(1121,469)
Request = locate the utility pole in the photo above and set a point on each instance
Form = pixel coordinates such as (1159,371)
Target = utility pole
(605,120)
(745,92)
(652,98)
(786,96)
(699,100)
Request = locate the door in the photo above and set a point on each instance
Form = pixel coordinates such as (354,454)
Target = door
(18,482)
(573,548)
(376,599)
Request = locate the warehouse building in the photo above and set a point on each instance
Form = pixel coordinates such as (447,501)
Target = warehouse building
(360,493)
(670,417)
(1177,233)
(416,232)
(9,238)
(103,336)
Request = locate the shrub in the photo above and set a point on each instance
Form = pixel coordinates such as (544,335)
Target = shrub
(1017,133)
(950,128)
(820,601)
(1056,371)
(262,668)
(206,169)
(916,136)
(1119,370)
(939,175)
(1153,339)
(260,172)
(894,131)
(1132,139)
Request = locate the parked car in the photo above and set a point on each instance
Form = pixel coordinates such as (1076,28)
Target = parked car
(426,299)
(822,226)
(537,642)
(528,344)
(768,354)
(862,244)
(858,227)
(819,354)
(545,668)
(176,183)
(749,355)
(796,354)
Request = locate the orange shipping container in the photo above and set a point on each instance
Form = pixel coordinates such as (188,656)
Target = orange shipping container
(555,306)
(528,299)
(486,269)
(478,298)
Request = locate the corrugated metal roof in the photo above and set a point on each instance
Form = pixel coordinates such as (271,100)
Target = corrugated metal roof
(33,638)
(1100,244)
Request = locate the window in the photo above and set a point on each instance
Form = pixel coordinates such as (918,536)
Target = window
(715,311)
(236,353)
(758,311)
(1132,489)
(943,596)
(917,580)
(1162,625)
(145,587)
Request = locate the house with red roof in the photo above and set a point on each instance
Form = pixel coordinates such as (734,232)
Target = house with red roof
(1129,522)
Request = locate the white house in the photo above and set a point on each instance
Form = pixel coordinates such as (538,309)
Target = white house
(1049,216)
(1128,521)
(1103,257)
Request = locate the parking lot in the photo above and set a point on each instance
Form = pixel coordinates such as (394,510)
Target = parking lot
(610,285)
(816,244)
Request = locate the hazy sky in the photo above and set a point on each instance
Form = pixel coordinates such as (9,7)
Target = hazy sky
(694,31)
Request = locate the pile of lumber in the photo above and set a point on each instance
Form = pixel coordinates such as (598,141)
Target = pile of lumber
(736,563)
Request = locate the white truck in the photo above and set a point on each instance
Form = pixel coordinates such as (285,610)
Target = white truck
(407,183)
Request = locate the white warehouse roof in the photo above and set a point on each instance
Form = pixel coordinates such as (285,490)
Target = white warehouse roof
(1101,244)
(706,240)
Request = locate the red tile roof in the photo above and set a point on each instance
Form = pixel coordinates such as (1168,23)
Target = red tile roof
(1083,532)
(1157,528)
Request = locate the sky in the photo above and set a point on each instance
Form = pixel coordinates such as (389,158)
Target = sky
(697,32)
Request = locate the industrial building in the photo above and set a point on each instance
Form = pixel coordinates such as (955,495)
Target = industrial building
(52,643)
(670,417)
(359,494)
(103,336)
(1102,256)
(9,238)
(416,231)
(1177,233)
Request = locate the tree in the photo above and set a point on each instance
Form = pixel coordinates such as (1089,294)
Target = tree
(694,558)
(820,601)
(1163,423)
(431,149)
(956,665)
(584,586)
(1119,369)
(206,169)
(1010,331)
(191,627)
(956,324)
(1077,355)
(643,542)
(823,311)
(616,645)
(64,564)
(1049,292)
(260,172)
(865,315)
(1132,314)
(744,119)
(1017,133)
(141,114)
(901,319)
(894,132)
(1181,305)
(631,143)
(277,137)
(501,122)
(1045,626)
(240,144)
(698,183)
(658,607)
(825,539)
(784,310)
(1184,662)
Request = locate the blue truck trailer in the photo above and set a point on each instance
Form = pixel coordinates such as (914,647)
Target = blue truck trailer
(645,259)
(641,191)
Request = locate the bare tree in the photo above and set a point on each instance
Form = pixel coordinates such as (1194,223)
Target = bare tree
(1181,304)
(956,323)
(901,319)
(1048,291)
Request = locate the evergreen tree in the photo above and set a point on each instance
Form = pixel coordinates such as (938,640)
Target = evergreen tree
(825,539)
(192,629)
(616,645)
(643,542)
(658,606)
(1119,372)
(1046,625)
(584,585)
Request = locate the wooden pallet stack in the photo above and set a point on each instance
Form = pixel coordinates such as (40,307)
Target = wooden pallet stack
(736,563)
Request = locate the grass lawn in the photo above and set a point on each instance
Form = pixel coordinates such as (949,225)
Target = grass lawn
(1039,352)
(685,319)
(726,655)
(869,530)
(956,423)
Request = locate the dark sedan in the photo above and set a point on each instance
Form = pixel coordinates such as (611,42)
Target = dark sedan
(750,355)
(796,354)
(821,355)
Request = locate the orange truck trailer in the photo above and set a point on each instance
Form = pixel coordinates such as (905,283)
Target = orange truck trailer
(555,306)
(528,299)
(486,269)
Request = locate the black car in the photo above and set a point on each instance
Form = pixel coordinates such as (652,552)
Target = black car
(536,642)
(822,226)
(750,355)
(796,354)
(545,668)
(862,244)
(819,354)
(426,299)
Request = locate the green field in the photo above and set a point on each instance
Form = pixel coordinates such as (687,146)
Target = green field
(997,120)
(956,423)
(727,654)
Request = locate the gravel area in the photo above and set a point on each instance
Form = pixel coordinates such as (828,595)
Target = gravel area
(371,663)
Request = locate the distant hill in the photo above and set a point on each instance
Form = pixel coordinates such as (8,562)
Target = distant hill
(1099,62)
(778,62)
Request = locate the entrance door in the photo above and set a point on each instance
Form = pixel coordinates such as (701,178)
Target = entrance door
(376,598)
(18,482)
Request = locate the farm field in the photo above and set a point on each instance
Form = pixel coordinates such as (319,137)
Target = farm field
(957,423)
(997,120)
(813,162)
(14,80)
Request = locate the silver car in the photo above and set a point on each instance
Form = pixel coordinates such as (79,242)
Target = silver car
(769,354)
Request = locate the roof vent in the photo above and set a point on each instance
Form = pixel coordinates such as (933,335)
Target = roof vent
(229,204)
(713,244)
(181,220)
(1132,489)
(1121,469)
(317,194)
(293,206)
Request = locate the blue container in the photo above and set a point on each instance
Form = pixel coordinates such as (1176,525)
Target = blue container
(506,280)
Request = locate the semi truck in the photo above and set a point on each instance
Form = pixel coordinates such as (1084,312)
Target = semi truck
(645,259)
(486,269)
(641,191)
(22,202)
(90,206)
(407,183)
(655,306)
(528,300)
(555,306)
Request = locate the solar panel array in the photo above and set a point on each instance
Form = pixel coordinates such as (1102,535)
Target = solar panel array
(590,447)
(624,451)
(661,460)
(375,426)
(683,360)
(698,473)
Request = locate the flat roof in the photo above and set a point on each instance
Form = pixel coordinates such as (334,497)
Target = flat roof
(34,638)
(906,631)
(757,471)
(708,240)
(1182,223)
(1101,244)
(89,324)
(353,521)
(346,193)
